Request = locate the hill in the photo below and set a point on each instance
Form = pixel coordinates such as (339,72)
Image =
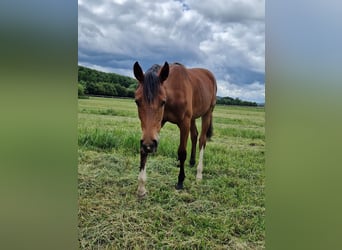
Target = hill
(94,82)
(97,83)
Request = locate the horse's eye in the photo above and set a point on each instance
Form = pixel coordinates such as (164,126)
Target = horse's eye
(137,103)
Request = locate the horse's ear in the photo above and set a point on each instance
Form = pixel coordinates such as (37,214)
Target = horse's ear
(164,72)
(138,73)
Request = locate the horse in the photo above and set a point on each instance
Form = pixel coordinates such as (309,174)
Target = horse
(176,94)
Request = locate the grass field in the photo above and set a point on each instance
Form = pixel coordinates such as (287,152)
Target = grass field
(226,210)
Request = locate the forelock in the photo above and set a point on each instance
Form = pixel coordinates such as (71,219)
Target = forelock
(151,86)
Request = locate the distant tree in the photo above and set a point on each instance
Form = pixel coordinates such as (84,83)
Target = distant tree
(130,92)
(80,90)
(83,83)
(108,84)
(100,89)
(133,85)
(231,101)
(90,88)
(107,89)
(122,91)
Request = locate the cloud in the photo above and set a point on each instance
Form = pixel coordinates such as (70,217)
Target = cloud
(227,37)
(253,92)
(230,11)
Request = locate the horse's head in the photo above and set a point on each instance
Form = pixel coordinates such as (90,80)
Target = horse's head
(150,98)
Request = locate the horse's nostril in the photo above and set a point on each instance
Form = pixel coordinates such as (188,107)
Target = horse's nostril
(149,148)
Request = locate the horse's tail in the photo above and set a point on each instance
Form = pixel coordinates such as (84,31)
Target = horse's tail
(210,129)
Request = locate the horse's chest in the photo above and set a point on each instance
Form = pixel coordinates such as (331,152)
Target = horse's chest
(175,113)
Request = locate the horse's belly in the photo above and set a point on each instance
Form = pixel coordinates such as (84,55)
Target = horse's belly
(200,109)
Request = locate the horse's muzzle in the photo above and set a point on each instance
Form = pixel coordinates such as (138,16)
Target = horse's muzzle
(149,147)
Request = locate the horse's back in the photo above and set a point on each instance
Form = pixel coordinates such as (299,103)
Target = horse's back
(191,90)
(204,90)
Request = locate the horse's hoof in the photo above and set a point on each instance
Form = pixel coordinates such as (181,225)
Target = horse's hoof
(142,196)
(141,193)
(192,163)
(179,186)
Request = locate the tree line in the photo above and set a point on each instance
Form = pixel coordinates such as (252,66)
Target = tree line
(94,82)
(234,101)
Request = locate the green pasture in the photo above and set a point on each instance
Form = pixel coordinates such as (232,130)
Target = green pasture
(226,210)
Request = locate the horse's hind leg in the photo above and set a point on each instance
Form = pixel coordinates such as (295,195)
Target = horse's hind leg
(206,123)
(194,135)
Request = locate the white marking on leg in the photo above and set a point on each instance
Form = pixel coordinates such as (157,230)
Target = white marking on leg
(141,182)
(200,165)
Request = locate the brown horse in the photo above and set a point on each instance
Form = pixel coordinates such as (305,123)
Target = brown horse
(178,95)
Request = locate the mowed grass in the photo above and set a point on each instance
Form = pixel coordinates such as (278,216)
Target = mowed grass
(226,210)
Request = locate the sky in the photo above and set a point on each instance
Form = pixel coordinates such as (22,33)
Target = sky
(225,36)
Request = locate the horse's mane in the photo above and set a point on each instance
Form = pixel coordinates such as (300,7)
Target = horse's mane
(151,83)
(177,63)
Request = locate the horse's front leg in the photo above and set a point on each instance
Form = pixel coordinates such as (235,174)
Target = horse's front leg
(184,133)
(194,135)
(142,175)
